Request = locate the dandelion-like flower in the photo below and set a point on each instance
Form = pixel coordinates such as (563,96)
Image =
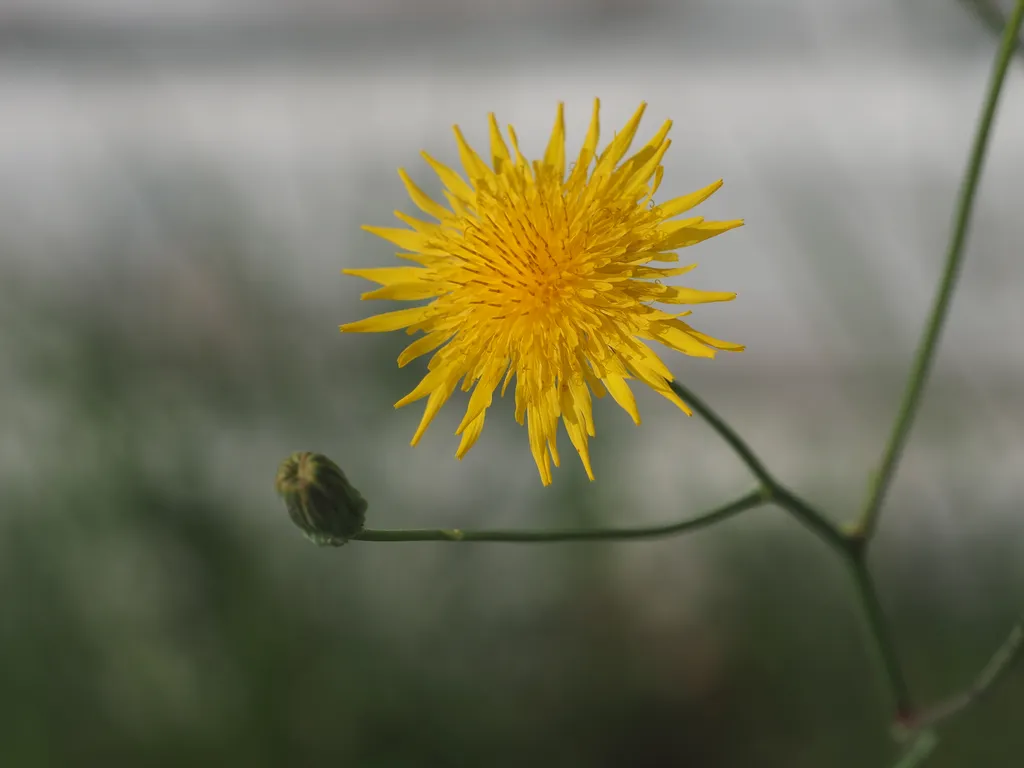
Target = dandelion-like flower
(543,275)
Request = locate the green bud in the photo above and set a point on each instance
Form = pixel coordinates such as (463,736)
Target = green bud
(320,499)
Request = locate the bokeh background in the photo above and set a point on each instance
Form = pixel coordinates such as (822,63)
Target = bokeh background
(180,184)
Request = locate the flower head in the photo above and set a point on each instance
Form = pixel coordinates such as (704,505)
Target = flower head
(542,275)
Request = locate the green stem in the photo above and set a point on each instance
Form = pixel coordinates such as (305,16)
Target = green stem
(812,519)
(879,631)
(926,351)
(849,546)
(992,17)
(750,501)
(922,747)
(744,451)
(1003,660)
(800,509)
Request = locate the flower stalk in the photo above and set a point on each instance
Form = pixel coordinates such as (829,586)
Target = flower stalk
(925,355)
(747,502)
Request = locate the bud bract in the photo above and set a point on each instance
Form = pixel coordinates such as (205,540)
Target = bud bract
(320,499)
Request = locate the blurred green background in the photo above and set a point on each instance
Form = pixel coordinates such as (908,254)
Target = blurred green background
(182,183)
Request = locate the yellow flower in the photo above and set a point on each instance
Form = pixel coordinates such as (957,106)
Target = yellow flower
(544,276)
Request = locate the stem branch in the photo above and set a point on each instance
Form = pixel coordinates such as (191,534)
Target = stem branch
(800,509)
(954,257)
(1003,660)
(849,546)
(750,501)
(744,451)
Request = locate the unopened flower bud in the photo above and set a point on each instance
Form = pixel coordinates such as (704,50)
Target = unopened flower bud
(320,499)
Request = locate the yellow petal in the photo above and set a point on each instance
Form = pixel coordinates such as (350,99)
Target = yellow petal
(622,394)
(682,204)
(451,180)
(620,144)
(549,412)
(657,272)
(669,394)
(433,380)
(438,396)
(681,295)
(641,166)
(578,438)
(644,172)
(594,382)
(508,377)
(418,225)
(697,234)
(593,131)
(471,434)
(403,238)
(422,346)
(651,148)
(389,321)
(408,291)
(648,366)
(583,403)
(521,162)
(388,275)
(475,167)
(672,227)
(483,394)
(589,149)
(554,155)
(462,210)
(538,446)
(682,341)
(663,257)
(711,341)
(659,174)
(423,201)
(523,386)
(500,158)
(436,322)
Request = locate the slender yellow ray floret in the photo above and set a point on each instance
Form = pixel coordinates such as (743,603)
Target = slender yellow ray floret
(544,276)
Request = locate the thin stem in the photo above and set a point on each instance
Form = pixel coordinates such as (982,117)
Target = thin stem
(922,747)
(812,519)
(849,546)
(879,631)
(992,17)
(744,451)
(954,257)
(781,495)
(750,501)
(1003,660)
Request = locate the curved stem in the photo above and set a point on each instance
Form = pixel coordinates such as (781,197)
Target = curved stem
(781,495)
(954,257)
(742,504)
(1003,660)
(744,451)
(849,546)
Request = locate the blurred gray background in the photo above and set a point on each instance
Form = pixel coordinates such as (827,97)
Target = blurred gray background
(182,183)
